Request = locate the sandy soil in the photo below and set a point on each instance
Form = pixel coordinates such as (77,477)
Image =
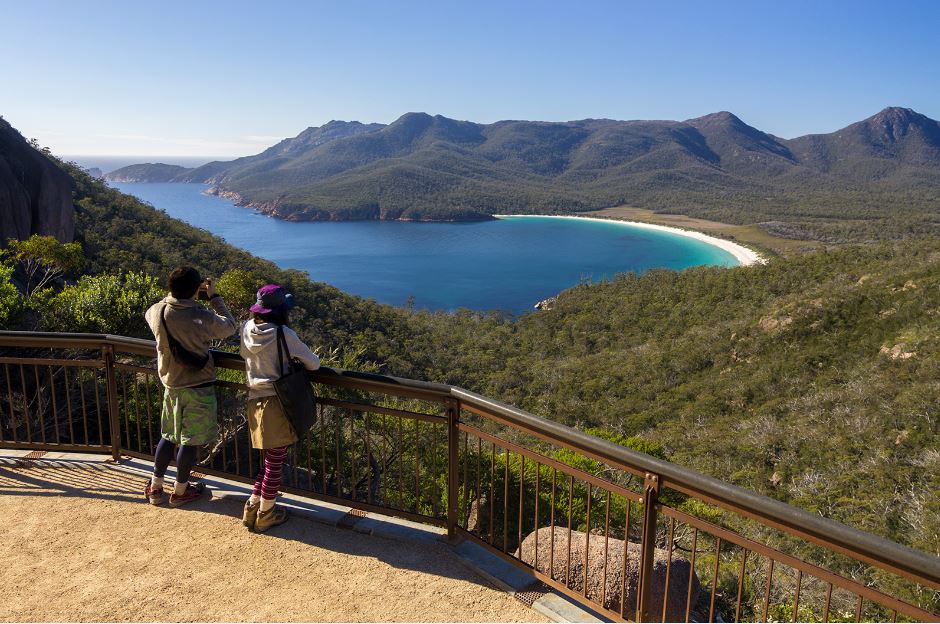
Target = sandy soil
(747,234)
(80,543)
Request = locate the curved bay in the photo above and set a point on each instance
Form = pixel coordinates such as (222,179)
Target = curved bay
(507,264)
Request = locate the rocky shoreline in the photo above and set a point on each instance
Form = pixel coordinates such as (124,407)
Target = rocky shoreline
(265,207)
(298,212)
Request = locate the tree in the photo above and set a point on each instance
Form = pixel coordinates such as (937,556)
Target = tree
(44,259)
(239,288)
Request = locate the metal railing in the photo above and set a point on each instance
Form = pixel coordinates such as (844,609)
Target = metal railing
(635,537)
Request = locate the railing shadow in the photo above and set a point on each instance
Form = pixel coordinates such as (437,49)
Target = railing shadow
(90,479)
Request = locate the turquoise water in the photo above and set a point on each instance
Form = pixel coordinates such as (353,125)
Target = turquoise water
(507,264)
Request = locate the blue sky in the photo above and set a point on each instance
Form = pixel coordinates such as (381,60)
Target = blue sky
(230,78)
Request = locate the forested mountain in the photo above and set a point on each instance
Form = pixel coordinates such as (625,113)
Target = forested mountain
(897,147)
(886,167)
(296,147)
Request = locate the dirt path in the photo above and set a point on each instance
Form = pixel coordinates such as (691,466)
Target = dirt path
(104,555)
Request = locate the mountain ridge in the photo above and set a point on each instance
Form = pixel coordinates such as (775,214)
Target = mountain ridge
(430,167)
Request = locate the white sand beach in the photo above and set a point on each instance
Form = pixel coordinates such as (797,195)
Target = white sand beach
(744,255)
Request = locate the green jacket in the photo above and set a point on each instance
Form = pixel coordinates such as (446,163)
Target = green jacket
(194,326)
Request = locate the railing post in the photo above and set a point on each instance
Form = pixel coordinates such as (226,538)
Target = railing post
(453,461)
(648,549)
(114,419)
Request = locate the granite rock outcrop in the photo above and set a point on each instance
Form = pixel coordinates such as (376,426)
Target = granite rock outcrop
(35,195)
(549,558)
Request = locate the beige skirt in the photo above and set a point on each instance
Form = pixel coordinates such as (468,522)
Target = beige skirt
(268,424)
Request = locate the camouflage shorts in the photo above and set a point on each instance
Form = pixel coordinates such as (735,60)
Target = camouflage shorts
(190,416)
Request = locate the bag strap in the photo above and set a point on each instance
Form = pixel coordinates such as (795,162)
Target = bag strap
(166,329)
(174,343)
(280,355)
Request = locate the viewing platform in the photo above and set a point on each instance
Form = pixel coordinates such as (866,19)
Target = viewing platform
(82,544)
(629,536)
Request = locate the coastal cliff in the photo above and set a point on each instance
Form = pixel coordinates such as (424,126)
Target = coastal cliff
(35,195)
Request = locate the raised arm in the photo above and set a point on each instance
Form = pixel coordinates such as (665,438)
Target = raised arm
(219,322)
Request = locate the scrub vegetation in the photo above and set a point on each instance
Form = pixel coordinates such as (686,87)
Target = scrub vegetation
(812,379)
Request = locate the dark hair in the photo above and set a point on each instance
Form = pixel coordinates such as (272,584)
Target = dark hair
(276,316)
(184,282)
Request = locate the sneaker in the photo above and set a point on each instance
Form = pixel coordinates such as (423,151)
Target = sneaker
(270,518)
(193,492)
(154,496)
(250,515)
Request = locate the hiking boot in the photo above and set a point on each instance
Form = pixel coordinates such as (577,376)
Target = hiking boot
(270,518)
(250,515)
(193,492)
(154,496)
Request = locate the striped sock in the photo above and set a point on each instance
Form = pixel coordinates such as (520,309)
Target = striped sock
(256,490)
(273,467)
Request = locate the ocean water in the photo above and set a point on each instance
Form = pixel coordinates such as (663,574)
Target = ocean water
(507,264)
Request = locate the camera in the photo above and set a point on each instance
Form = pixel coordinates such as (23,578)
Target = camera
(203,293)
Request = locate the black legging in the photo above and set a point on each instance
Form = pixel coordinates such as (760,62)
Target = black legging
(185,460)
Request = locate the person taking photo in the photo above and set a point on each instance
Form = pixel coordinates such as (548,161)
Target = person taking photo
(184,329)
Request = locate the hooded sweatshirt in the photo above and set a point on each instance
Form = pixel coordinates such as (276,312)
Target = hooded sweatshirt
(194,326)
(259,348)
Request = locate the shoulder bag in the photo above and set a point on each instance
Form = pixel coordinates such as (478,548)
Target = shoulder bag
(293,390)
(180,353)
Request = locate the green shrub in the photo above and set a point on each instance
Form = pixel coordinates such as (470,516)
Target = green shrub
(239,288)
(106,304)
(43,259)
(11,303)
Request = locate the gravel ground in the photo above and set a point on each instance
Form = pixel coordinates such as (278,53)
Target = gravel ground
(80,544)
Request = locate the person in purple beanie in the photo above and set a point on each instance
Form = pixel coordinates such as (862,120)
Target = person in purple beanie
(270,428)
